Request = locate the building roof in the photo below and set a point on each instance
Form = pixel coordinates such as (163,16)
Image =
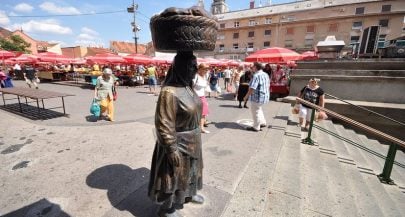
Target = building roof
(286,8)
(4,33)
(126,47)
(91,51)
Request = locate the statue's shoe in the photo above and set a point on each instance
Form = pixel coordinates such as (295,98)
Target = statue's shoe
(173,214)
(198,199)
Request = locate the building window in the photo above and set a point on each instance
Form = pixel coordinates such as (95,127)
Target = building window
(251,34)
(386,8)
(290,31)
(357,25)
(222,26)
(354,39)
(234,57)
(235,46)
(250,45)
(220,37)
(383,23)
(309,42)
(221,48)
(266,44)
(236,35)
(252,22)
(311,29)
(288,43)
(360,10)
(267,32)
(290,18)
(267,21)
(236,24)
(333,27)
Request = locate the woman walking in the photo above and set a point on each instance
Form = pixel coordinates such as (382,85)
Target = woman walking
(199,85)
(104,93)
(312,93)
(244,87)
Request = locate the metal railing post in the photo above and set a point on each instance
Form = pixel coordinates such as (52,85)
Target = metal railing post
(389,161)
(308,140)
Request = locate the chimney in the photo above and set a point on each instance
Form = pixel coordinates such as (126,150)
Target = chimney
(252,4)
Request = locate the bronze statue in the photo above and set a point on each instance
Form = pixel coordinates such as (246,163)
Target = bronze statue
(176,171)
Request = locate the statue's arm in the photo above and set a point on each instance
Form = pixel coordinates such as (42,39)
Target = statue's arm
(166,120)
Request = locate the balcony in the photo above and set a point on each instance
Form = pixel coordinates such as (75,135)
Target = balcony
(236,51)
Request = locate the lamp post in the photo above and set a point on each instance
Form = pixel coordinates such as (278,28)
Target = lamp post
(135,28)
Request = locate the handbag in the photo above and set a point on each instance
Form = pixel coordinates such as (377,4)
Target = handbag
(95,108)
(115,94)
(296,108)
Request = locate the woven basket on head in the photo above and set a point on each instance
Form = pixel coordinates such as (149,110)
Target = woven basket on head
(181,32)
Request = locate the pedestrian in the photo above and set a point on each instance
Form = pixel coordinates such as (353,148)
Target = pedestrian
(227,76)
(244,87)
(30,76)
(199,85)
(17,71)
(278,75)
(152,78)
(214,84)
(236,75)
(312,93)
(259,94)
(177,164)
(103,93)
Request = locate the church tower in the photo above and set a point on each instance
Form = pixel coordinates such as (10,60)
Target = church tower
(200,3)
(219,7)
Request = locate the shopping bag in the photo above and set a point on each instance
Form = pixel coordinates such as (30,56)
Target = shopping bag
(95,108)
(229,88)
(296,108)
(321,115)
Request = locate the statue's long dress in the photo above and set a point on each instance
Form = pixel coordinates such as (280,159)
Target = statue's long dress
(177,119)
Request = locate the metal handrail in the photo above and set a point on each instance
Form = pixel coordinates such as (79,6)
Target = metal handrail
(371,111)
(390,159)
(355,123)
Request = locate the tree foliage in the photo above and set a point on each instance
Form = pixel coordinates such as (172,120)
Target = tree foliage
(15,43)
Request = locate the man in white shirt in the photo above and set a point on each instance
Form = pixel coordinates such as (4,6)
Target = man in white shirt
(228,76)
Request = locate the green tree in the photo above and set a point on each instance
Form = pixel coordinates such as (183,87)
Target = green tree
(15,43)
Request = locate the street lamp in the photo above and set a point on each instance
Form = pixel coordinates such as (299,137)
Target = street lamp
(135,28)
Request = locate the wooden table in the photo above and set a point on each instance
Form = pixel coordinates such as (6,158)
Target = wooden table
(36,94)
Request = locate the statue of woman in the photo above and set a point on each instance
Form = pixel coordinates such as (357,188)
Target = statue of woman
(176,171)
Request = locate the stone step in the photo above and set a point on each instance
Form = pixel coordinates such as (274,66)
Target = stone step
(398,173)
(382,197)
(345,205)
(250,195)
(341,151)
(356,153)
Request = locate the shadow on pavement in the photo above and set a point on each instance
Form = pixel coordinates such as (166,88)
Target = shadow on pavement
(43,208)
(126,188)
(285,118)
(31,112)
(229,125)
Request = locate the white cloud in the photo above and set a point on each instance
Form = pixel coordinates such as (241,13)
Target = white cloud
(61,43)
(85,36)
(23,7)
(89,31)
(43,26)
(51,8)
(4,20)
(90,43)
(12,13)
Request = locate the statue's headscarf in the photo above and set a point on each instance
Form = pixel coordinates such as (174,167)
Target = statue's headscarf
(183,70)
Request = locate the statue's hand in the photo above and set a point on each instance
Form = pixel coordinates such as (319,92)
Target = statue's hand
(174,158)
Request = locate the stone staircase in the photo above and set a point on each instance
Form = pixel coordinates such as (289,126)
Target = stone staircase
(330,178)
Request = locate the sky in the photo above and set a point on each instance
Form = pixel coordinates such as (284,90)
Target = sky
(94,22)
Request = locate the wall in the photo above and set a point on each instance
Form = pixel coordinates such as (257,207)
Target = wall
(361,81)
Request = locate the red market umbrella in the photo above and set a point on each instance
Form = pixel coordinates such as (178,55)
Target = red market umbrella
(53,58)
(310,55)
(25,58)
(105,58)
(273,55)
(137,58)
(163,60)
(4,54)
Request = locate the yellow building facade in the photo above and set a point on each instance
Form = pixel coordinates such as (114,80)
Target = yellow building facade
(301,25)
